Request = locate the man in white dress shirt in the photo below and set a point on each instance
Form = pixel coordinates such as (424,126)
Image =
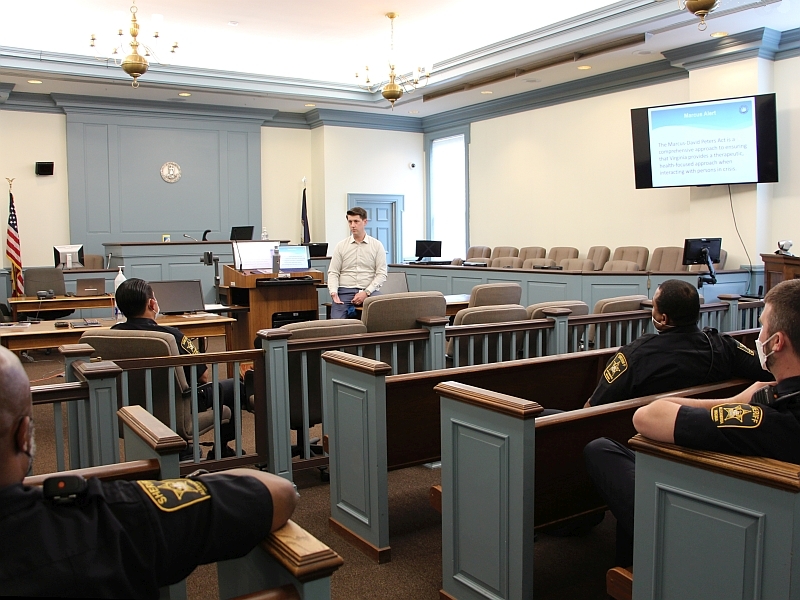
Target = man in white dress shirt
(358,266)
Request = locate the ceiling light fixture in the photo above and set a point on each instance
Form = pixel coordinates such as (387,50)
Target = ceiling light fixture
(719,34)
(584,67)
(398,84)
(34,81)
(310,105)
(699,8)
(487,92)
(233,23)
(413,112)
(134,64)
(184,94)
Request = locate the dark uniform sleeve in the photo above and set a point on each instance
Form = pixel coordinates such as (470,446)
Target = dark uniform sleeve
(616,382)
(745,361)
(749,429)
(208,519)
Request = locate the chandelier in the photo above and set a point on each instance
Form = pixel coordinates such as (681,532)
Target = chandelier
(134,64)
(398,84)
(700,8)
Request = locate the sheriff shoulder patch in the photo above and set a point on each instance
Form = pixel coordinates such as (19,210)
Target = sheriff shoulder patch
(744,348)
(174,494)
(744,416)
(187,345)
(617,366)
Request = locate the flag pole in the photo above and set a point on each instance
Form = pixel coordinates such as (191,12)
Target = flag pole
(10,181)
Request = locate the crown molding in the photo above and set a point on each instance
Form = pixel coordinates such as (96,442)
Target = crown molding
(5,90)
(607,83)
(757,43)
(26,102)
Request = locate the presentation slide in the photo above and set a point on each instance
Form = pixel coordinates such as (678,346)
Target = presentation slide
(253,255)
(704,144)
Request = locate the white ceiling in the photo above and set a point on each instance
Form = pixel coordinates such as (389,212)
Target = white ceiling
(324,41)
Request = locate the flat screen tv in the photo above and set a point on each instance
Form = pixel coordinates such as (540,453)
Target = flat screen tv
(178,297)
(718,142)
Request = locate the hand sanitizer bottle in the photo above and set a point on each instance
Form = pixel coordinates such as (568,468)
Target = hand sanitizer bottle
(264,234)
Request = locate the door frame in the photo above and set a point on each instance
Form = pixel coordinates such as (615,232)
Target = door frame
(397,202)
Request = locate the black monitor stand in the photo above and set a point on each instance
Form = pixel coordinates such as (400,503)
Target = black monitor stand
(711,278)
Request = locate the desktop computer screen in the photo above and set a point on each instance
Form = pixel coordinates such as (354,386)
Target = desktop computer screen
(178,297)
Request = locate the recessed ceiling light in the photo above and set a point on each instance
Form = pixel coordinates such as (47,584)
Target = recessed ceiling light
(532,80)
(643,52)
(486,92)
(36,81)
(719,34)
(233,23)
(310,105)
(413,112)
(184,94)
(584,67)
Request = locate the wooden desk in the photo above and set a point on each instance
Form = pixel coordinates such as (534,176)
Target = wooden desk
(32,304)
(779,268)
(46,335)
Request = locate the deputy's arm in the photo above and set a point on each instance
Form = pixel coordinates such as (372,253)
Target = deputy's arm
(284,496)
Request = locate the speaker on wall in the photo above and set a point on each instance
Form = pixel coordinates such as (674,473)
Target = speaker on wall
(44,168)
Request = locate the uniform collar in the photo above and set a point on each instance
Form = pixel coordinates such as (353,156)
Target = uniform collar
(141,320)
(788,385)
(682,329)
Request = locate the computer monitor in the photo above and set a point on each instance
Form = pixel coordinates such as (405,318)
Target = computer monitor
(179,297)
(68,256)
(242,232)
(697,251)
(294,258)
(317,249)
(253,254)
(428,249)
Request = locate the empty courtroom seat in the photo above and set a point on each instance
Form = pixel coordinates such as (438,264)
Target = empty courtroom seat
(532,263)
(637,254)
(577,264)
(307,330)
(599,255)
(396,283)
(621,265)
(506,262)
(488,294)
(475,254)
(667,258)
(502,251)
(532,252)
(93,261)
(502,313)
(559,253)
(578,308)
(46,279)
(613,305)
(718,266)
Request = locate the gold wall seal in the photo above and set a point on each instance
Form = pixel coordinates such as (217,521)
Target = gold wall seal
(170,172)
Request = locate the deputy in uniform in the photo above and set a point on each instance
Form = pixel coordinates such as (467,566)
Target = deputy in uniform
(679,355)
(136,300)
(122,539)
(764,420)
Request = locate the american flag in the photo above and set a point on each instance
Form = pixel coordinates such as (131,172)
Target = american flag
(13,250)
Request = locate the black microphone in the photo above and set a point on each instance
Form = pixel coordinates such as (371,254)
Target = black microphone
(205,235)
(236,242)
(186,235)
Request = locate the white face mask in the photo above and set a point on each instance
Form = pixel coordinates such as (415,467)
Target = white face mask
(659,326)
(762,357)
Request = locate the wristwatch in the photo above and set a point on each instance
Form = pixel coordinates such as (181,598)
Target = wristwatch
(368,293)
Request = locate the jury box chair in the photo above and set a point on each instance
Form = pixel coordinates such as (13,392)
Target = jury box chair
(612,305)
(506,262)
(503,251)
(397,312)
(578,264)
(723,258)
(475,254)
(487,294)
(498,313)
(667,259)
(637,254)
(45,279)
(115,344)
(559,253)
(621,266)
(313,383)
(599,255)
(538,263)
(532,252)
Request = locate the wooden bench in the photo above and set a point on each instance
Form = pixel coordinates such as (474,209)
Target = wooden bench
(290,561)
(377,422)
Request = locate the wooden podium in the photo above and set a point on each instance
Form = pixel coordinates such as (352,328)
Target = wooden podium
(778,267)
(272,300)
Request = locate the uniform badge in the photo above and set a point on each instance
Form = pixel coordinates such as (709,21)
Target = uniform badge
(744,416)
(617,366)
(187,345)
(174,494)
(744,348)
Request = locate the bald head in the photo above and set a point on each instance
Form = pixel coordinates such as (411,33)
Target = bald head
(16,424)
